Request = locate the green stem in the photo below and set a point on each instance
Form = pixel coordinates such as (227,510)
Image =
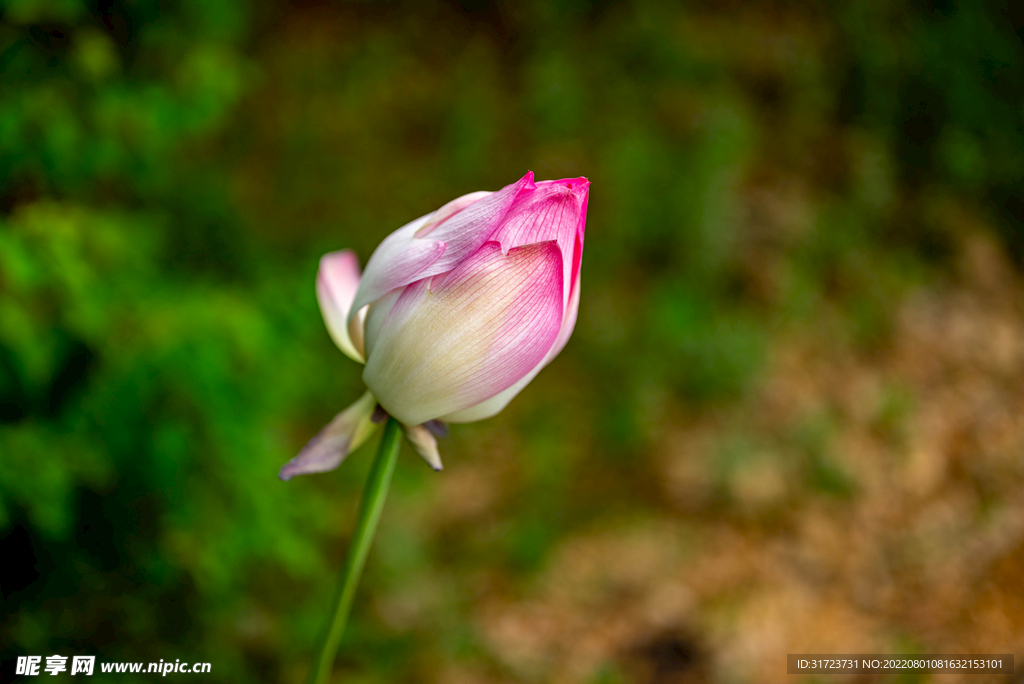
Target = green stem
(374,493)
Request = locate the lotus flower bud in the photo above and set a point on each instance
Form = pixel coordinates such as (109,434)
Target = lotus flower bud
(455,313)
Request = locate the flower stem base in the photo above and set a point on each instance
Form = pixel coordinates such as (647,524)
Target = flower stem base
(370,507)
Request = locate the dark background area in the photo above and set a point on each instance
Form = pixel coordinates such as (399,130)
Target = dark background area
(790,420)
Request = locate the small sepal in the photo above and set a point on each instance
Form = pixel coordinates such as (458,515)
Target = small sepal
(333,443)
(424,444)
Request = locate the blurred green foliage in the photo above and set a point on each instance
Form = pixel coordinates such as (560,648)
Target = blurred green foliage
(171,172)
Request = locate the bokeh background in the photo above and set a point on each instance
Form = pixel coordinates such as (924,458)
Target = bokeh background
(791,418)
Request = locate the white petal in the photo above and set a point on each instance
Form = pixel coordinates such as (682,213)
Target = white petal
(477,333)
(396,261)
(337,281)
(376,314)
(427,247)
(449,210)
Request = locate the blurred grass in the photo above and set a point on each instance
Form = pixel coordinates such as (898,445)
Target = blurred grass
(170,174)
